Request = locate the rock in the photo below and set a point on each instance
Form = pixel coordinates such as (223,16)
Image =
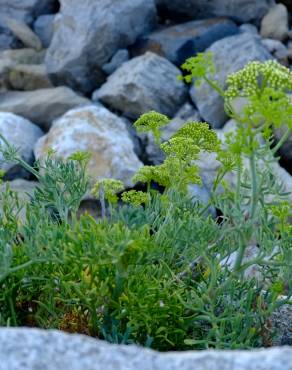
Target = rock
(248,27)
(24,190)
(282,323)
(187,113)
(87,34)
(240,10)
(23,56)
(10,58)
(275,23)
(24,33)
(290,50)
(33,349)
(26,10)
(230,55)
(44,28)
(20,133)
(7,40)
(28,77)
(41,106)
(98,131)
(120,57)
(277,49)
(145,83)
(179,42)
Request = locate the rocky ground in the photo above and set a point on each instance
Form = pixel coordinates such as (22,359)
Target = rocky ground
(75,75)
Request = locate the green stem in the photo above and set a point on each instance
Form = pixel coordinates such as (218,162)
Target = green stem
(254,186)
(281,141)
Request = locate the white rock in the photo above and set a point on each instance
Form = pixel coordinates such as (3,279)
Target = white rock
(20,133)
(98,131)
(275,23)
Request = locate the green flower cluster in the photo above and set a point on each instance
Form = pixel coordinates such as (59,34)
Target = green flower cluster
(198,67)
(200,134)
(134,197)
(172,172)
(151,121)
(257,76)
(109,187)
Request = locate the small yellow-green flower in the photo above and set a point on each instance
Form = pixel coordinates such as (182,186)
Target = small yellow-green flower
(109,187)
(134,197)
(152,121)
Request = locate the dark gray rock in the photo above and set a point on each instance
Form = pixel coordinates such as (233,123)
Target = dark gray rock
(240,10)
(120,57)
(145,83)
(179,42)
(230,55)
(35,349)
(26,10)
(87,34)
(44,28)
(41,106)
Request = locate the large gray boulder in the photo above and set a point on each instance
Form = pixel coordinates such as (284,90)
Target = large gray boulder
(34,349)
(20,133)
(230,55)
(98,131)
(179,42)
(148,82)
(41,106)
(241,10)
(88,33)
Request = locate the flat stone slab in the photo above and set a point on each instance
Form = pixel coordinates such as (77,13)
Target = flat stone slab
(34,349)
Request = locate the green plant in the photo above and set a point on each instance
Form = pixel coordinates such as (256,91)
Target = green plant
(159,270)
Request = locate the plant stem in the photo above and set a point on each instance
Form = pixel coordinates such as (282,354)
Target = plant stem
(254,185)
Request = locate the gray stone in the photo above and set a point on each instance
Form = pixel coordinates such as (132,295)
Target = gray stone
(282,324)
(117,60)
(275,23)
(44,28)
(145,83)
(230,55)
(10,58)
(179,42)
(241,10)
(20,133)
(7,40)
(87,34)
(41,106)
(23,56)
(24,33)
(28,77)
(98,131)
(34,349)
(277,49)
(26,10)
(248,27)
